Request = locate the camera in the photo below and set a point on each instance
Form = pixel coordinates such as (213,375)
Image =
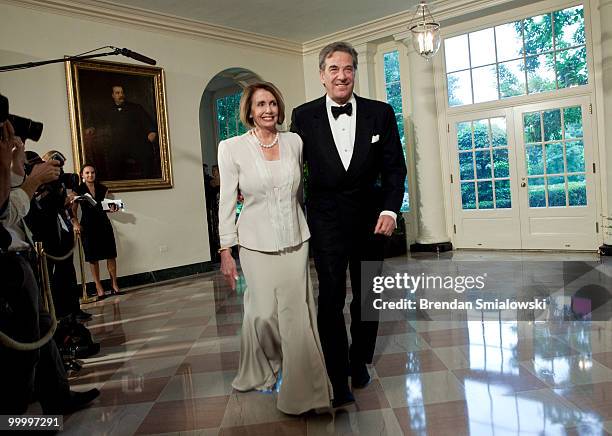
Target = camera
(24,127)
(67,180)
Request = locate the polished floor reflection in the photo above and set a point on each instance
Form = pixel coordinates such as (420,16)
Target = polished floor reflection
(169,354)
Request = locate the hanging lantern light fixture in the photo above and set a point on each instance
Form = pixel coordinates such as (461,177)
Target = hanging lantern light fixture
(425,32)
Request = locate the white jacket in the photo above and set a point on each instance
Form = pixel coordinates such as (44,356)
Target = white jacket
(271,219)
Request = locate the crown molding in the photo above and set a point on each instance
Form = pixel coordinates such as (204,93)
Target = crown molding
(396,23)
(109,12)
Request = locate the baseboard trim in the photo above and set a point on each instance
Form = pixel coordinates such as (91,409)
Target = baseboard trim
(157,276)
(431,248)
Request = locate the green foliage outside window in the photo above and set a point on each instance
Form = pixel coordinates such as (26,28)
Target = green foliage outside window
(228,116)
(393,91)
(538,54)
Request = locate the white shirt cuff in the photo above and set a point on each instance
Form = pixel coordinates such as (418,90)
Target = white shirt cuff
(391,214)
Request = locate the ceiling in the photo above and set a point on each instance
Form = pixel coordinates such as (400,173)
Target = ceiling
(294,20)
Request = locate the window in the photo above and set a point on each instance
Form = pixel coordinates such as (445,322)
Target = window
(537,54)
(228,116)
(393,92)
(484,168)
(554,152)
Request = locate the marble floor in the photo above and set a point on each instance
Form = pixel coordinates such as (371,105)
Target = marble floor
(169,353)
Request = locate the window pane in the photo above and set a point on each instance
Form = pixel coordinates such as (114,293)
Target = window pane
(464,136)
(552,125)
(540,73)
(498,132)
(466,166)
(501,163)
(482,47)
(485,195)
(556,191)
(572,68)
(468,195)
(394,96)
(554,158)
(486,78)
(509,40)
(459,88)
(569,27)
(457,53)
(502,194)
(572,120)
(483,164)
(512,79)
(481,133)
(577,190)
(391,65)
(532,128)
(575,156)
(399,119)
(535,161)
(537,194)
(538,34)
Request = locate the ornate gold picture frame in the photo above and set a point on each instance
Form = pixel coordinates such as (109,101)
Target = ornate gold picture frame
(119,123)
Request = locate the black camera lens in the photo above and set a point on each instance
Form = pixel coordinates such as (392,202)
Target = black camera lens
(26,128)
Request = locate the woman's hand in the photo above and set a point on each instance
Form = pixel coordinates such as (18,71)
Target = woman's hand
(112,208)
(76,226)
(228,268)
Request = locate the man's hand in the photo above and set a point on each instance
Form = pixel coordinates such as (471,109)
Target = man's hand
(7,136)
(19,157)
(45,172)
(152,136)
(42,173)
(228,268)
(385,225)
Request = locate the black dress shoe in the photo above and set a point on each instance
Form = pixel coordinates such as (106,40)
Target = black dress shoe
(79,400)
(343,399)
(360,377)
(81,315)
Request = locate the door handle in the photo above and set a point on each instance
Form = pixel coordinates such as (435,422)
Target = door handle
(523,184)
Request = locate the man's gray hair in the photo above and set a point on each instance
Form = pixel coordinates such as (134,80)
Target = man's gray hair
(334,47)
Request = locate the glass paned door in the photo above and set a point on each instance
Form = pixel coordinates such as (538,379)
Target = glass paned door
(523,177)
(483,154)
(558,209)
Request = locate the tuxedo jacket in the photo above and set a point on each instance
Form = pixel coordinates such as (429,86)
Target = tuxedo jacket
(343,200)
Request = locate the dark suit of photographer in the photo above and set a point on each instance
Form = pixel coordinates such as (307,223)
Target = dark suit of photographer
(49,220)
(21,316)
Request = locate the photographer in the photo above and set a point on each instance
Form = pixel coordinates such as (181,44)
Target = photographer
(50,221)
(21,318)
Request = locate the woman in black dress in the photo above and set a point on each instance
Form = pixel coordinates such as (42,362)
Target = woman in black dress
(96,229)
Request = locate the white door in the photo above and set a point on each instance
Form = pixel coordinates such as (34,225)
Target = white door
(523,177)
(556,170)
(485,205)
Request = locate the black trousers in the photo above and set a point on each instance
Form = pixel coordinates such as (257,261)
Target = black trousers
(362,253)
(63,279)
(25,372)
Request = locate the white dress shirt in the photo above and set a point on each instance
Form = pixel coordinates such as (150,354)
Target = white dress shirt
(343,130)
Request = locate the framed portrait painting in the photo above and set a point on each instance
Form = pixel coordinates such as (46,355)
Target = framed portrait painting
(119,123)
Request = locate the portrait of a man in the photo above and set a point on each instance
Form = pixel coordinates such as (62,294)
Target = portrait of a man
(119,123)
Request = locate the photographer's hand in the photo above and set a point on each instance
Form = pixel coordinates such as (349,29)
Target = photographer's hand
(42,173)
(19,157)
(6,155)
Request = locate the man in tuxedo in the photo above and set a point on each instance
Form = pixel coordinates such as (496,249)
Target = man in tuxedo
(355,189)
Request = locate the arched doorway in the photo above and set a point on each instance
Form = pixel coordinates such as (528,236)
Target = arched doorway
(219,119)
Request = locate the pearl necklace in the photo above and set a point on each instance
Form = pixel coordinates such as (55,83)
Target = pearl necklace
(270,145)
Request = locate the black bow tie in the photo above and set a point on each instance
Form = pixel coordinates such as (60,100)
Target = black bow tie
(339,110)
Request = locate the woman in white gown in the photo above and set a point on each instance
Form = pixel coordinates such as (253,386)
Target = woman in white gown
(279,329)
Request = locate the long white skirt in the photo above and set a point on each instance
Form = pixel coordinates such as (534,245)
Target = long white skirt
(279,331)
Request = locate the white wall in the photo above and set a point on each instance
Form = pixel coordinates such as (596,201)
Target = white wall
(174,217)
